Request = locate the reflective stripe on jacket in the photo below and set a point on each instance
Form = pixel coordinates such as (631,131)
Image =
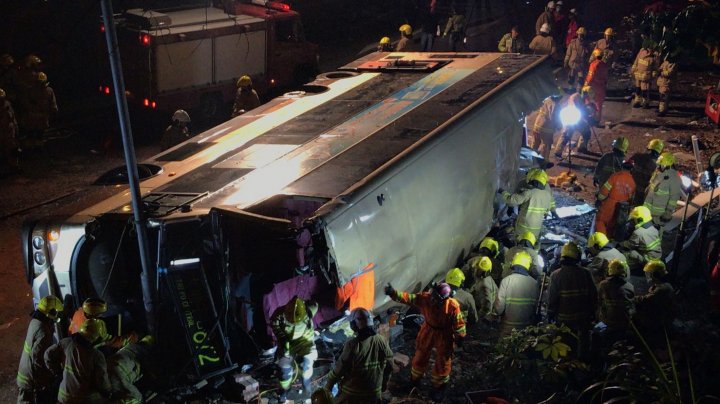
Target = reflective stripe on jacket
(299,338)
(547,120)
(467,305)
(534,205)
(85,378)
(663,192)
(645,65)
(576,56)
(364,366)
(32,373)
(446,317)
(516,300)
(645,240)
(572,296)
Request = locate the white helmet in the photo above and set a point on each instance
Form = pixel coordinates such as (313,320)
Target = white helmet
(181,116)
(558,3)
(545,28)
(551,5)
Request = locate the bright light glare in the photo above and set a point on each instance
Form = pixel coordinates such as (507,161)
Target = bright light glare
(686,181)
(541,261)
(569,115)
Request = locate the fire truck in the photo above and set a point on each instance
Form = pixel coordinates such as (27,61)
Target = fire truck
(192,58)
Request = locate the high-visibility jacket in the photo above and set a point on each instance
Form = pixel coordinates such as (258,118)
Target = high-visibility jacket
(645,240)
(597,79)
(656,308)
(484,292)
(644,166)
(534,205)
(615,298)
(608,49)
(125,369)
(467,305)
(297,338)
(32,373)
(543,45)
(599,264)
(576,56)
(516,300)
(363,369)
(572,297)
(511,45)
(609,163)
(645,66)
(510,254)
(84,371)
(663,193)
(620,187)
(666,76)
(547,121)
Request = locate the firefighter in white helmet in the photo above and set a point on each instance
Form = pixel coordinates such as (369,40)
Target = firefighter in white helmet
(178,130)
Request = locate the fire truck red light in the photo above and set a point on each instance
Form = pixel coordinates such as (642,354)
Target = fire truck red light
(146,102)
(102,27)
(153,104)
(107,90)
(145,39)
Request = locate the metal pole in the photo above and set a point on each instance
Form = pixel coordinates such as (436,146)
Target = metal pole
(130,161)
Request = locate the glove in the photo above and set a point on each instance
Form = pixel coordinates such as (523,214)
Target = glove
(666,217)
(390,291)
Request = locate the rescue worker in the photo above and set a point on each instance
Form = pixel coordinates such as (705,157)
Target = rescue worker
(611,162)
(664,190)
(615,301)
(644,166)
(385,45)
(544,44)
(484,290)
(534,202)
(455,29)
(517,296)
(38,107)
(607,48)
(525,243)
(489,247)
(655,310)
(125,368)
(429,27)
(666,75)
(443,326)
(644,242)
(582,101)
(603,251)
(246,98)
(91,308)
(177,132)
(455,278)
(559,25)
(512,42)
(596,79)
(405,42)
(547,17)
(572,296)
(365,364)
(644,69)
(547,122)
(295,332)
(34,379)
(576,59)
(619,188)
(82,366)
(572,27)
(8,76)
(9,154)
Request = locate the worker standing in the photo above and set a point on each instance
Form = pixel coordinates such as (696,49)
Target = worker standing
(664,190)
(576,59)
(619,188)
(611,162)
(39,106)
(8,76)
(644,166)
(295,332)
(405,42)
(83,367)
(572,296)
(588,112)
(517,296)
(547,17)
(455,278)
(655,310)
(603,251)
(547,122)
(644,243)
(34,379)
(177,132)
(512,42)
(572,27)
(597,78)
(644,69)
(534,202)
(125,368)
(444,326)
(246,98)
(666,75)
(384,45)
(559,26)
(365,364)
(455,29)
(525,243)
(544,44)
(9,155)
(615,301)
(607,48)
(484,290)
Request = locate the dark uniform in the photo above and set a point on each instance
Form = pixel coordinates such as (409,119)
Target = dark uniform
(33,378)
(83,368)
(572,300)
(615,296)
(245,100)
(124,370)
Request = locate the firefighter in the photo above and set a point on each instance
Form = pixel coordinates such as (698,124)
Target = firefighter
(443,326)
(546,18)
(547,122)
(582,100)
(666,75)
(544,43)
(9,161)
(615,301)
(643,70)
(664,190)
(384,45)
(534,202)
(597,78)
(246,98)
(125,368)
(559,25)
(8,76)
(295,332)
(611,162)
(365,364)
(34,380)
(91,308)
(405,42)
(603,251)
(576,59)
(619,188)
(607,48)
(455,29)
(511,42)
(82,366)
(644,166)
(572,296)
(38,107)
(526,243)
(489,247)
(484,290)
(455,278)
(644,242)
(655,310)
(572,27)
(517,296)
(177,132)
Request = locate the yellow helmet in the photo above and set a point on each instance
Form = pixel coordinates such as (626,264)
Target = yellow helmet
(2,93)
(622,143)
(244,81)
(609,31)
(50,306)
(321,396)
(406,29)
(93,307)
(657,145)
(455,277)
(617,267)
(527,236)
(597,52)
(483,264)
(295,311)
(523,259)
(491,245)
(598,240)
(42,77)
(656,268)
(384,40)
(666,160)
(570,250)
(148,340)
(93,330)
(538,175)
(641,215)
(581,31)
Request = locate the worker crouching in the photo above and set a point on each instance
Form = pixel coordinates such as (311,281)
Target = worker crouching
(517,296)
(664,190)
(443,327)
(456,278)
(619,188)
(644,243)
(125,369)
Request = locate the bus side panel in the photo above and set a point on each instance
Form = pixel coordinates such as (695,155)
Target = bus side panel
(183,64)
(239,54)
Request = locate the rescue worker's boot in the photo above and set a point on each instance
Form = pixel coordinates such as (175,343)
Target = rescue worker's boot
(637,99)
(662,108)
(645,102)
(438,393)
(562,144)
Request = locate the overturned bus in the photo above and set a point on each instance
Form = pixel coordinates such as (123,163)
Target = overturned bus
(384,171)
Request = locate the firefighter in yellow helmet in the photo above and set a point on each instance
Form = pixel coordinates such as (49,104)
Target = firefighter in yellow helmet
(644,243)
(547,122)
(576,59)
(246,97)
(385,45)
(405,42)
(664,190)
(517,296)
(666,75)
(484,290)
(602,251)
(611,162)
(125,369)
(615,298)
(455,278)
(534,203)
(607,47)
(526,242)
(82,366)
(644,166)
(91,308)
(34,380)
(656,308)
(295,333)
(38,105)
(644,69)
